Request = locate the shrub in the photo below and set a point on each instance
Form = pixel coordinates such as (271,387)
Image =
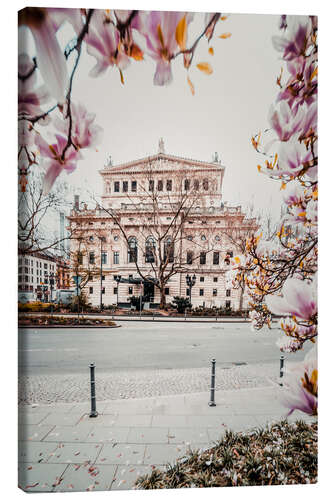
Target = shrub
(181,303)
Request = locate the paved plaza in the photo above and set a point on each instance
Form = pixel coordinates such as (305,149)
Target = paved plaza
(62,449)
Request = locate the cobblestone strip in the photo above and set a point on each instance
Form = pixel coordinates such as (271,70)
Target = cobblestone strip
(47,389)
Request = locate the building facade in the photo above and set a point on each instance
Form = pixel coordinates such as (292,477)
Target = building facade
(161,219)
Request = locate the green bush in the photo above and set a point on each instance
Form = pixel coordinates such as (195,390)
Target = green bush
(181,303)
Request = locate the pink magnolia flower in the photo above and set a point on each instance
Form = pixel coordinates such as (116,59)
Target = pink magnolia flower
(85,133)
(296,38)
(301,392)
(285,121)
(293,194)
(160,34)
(302,84)
(50,58)
(52,153)
(30,98)
(287,344)
(103,43)
(299,299)
(293,157)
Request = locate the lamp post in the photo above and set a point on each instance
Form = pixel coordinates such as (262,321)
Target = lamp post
(117,278)
(51,281)
(190,281)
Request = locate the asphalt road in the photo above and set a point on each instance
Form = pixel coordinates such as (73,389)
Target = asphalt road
(146,346)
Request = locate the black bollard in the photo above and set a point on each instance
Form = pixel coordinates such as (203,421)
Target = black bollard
(93,412)
(281,368)
(212,388)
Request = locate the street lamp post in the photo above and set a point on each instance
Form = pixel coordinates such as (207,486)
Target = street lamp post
(190,281)
(101,275)
(51,281)
(117,278)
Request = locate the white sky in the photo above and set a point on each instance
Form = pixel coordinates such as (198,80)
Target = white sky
(229,106)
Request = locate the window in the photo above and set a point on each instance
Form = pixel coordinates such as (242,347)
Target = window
(190,238)
(20,279)
(115,291)
(230,253)
(130,290)
(216,258)
(201,292)
(215,279)
(169,185)
(116,257)
(45,266)
(196,185)
(189,257)
(91,238)
(132,249)
(104,258)
(133,186)
(91,290)
(150,248)
(202,278)
(168,250)
(203,237)
(116,186)
(151,185)
(205,184)
(91,257)
(26,261)
(202,257)
(214,292)
(125,186)
(167,291)
(187,184)
(20,269)
(160,185)
(228,304)
(217,238)
(228,293)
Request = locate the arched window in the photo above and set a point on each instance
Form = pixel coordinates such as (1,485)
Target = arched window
(150,249)
(169,250)
(132,249)
(205,184)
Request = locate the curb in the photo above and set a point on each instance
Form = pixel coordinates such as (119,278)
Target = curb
(30,327)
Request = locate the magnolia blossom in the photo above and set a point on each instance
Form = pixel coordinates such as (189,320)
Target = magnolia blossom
(296,38)
(293,194)
(160,34)
(50,58)
(103,43)
(299,299)
(30,98)
(84,133)
(285,121)
(287,344)
(293,157)
(302,382)
(52,153)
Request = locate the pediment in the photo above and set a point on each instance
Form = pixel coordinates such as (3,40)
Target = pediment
(162,163)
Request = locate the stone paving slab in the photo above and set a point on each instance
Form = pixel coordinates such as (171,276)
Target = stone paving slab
(62,419)
(80,477)
(35,478)
(157,454)
(126,454)
(34,432)
(134,420)
(126,475)
(33,451)
(169,421)
(180,435)
(99,434)
(68,434)
(33,418)
(148,435)
(66,453)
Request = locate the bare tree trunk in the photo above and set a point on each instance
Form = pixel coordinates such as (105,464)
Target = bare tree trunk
(162,297)
(241,298)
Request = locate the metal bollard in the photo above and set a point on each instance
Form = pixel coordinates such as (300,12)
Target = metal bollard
(281,368)
(212,388)
(93,412)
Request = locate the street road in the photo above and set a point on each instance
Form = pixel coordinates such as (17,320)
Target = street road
(146,346)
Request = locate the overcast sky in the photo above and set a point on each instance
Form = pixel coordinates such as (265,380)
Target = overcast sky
(228,107)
